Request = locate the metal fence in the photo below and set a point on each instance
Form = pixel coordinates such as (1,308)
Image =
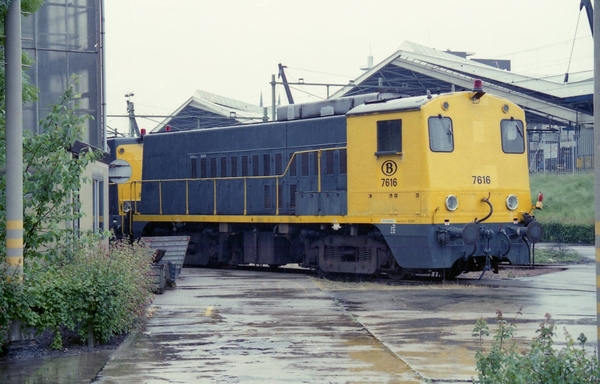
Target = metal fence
(561,150)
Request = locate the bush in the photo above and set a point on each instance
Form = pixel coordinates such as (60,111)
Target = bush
(555,232)
(95,292)
(542,363)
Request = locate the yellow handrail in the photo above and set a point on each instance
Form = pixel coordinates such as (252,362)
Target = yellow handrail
(133,185)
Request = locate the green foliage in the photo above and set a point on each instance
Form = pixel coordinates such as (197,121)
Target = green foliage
(87,287)
(559,254)
(29,92)
(27,7)
(568,198)
(505,362)
(51,178)
(568,214)
(559,232)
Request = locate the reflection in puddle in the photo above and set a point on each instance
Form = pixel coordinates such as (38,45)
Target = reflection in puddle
(378,358)
(56,370)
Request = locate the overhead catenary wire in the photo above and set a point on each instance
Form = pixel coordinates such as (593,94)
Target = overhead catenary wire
(566,80)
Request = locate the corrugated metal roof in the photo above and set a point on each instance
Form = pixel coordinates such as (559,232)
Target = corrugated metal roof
(414,68)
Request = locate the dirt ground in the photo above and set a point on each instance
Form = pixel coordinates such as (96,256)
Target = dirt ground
(39,346)
(515,272)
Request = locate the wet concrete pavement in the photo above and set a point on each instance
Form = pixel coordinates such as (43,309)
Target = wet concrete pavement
(233,326)
(236,326)
(252,327)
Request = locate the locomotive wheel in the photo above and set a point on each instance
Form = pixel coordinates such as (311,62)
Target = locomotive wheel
(450,273)
(322,273)
(399,273)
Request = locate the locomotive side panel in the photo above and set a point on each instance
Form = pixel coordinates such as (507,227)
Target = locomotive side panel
(262,169)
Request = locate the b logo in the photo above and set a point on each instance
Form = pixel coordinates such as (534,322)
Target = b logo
(389,168)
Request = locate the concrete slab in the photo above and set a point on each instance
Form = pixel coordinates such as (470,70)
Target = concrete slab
(251,327)
(232,326)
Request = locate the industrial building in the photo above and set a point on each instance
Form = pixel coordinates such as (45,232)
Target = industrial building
(559,109)
(65,38)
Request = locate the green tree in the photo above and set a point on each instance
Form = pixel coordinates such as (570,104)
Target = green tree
(71,280)
(51,178)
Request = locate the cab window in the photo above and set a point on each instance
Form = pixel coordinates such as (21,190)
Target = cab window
(441,134)
(513,136)
(389,137)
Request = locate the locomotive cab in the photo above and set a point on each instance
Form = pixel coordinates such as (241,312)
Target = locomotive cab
(445,180)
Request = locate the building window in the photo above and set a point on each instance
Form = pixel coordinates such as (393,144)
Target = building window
(389,137)
(98,204)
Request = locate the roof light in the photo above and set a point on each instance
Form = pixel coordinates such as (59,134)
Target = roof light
(143,132)
(478,89)
(168,128)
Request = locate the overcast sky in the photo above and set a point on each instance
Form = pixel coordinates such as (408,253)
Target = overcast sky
(165,50)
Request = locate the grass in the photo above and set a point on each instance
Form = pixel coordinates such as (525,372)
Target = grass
(559,255)
(334,285)
(568,198)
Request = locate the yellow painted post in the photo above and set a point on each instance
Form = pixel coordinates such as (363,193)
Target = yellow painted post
(14,143)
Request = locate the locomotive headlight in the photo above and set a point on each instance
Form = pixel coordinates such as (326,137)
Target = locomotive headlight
(451,202)
(512,202)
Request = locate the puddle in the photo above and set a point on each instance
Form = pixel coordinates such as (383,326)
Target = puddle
(378,358)
(56,370)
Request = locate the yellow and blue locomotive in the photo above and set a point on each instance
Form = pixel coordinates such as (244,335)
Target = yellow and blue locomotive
(365,185)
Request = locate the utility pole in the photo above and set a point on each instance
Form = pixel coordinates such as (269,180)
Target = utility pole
(134,131)
(596,24)
(273,85)
(14,143)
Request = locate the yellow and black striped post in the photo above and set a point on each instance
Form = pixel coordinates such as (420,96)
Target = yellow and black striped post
(14,143)
(14,250)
